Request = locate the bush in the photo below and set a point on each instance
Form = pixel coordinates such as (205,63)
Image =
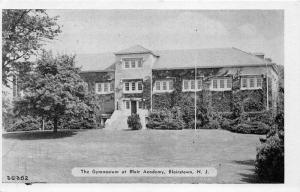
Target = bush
(164,119)
(250,128)
(226,124)
(213,124)
(134,122)
(25,124)
(270,160)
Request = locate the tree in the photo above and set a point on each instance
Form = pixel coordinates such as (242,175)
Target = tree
(24,31)
(55,91)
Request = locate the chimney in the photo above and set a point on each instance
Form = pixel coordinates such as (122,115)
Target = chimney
(260,55)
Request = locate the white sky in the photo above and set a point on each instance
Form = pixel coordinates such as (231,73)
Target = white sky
(96,31)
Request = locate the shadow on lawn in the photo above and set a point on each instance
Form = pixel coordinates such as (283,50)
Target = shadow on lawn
(248,178)
(39,135)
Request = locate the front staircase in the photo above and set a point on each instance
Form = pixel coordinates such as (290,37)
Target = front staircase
(118,120)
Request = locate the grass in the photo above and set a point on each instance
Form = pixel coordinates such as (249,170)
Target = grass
(48,157)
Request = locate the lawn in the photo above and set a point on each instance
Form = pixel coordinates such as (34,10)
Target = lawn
(45,157)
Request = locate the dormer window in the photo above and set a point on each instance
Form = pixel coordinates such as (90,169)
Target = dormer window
(132,63)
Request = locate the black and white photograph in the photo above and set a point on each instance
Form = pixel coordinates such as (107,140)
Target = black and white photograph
(156,96)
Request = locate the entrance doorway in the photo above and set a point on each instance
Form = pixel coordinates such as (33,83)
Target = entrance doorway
(133,107)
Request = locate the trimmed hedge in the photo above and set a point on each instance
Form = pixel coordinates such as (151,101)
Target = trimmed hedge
(249,128)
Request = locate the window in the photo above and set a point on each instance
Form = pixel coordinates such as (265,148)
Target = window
(171,85)
(199,84)
(104,88)
(157,85)
(244,82)
(192,84)
(126,64)
(111,86)
(99,87)
(127,104)
(215,84)
(163,86)
(133,87)
(221,84)
(251,83)
(127,86)
(185,84)
(140,63)
(259,82)
(133,64)
(140,86)
(229,83)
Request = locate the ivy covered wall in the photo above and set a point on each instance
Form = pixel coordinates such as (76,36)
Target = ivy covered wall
(105,102)
(221,101)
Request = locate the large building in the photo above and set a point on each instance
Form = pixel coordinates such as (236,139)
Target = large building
(137,80)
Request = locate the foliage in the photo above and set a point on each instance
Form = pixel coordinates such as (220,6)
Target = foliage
(55,91)
(165,119)
(212,124)
(270,159)
(250,128)
(134,122)
(25,124)
(24,31)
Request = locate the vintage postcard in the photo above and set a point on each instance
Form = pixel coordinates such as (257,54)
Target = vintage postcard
(172,96)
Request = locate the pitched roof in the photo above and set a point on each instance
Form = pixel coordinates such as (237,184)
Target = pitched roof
(95,62)
(175,59)
(214,57)
(134,49)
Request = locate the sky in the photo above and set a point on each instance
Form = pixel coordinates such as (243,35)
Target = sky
(99,31)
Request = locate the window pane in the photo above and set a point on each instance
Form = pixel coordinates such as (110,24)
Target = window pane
(99,87)
(251,82)
(140,86)
(221,83)
(127,86)
(127,104)
(185,84)
(157,84)
(111,86)
(105,87)
(133,64)
(244,82)
(164,85)
(126,64)
(170,85)
(199,84)
(140,63)
(133,86)
(215,84)
(192,84)
(259,82)
(229,83)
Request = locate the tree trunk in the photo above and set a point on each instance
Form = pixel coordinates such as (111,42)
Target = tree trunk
(55,124)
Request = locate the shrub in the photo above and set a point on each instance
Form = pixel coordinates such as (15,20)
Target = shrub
(270,160)
(164,119)
(213,124)
(134,122)
(250,128)
(27,123)
(226,124)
